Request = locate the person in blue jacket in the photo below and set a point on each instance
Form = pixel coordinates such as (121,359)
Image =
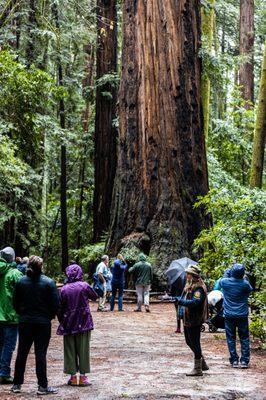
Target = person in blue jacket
(118,281)
(236,290)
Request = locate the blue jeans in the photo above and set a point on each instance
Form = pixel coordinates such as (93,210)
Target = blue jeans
(117,287)
(240,324)
(8,340)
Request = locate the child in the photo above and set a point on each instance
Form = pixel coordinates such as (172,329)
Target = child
(76,324)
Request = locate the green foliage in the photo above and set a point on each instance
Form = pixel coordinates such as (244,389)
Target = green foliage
(257,325)
(238,232)
(90,254)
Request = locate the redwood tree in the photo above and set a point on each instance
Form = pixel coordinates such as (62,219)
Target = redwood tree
(105,131)
(162,160)
(246,48)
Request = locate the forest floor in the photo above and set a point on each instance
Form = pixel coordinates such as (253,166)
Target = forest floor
(137,356)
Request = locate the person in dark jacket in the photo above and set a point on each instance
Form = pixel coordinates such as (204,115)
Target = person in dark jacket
(9,275)
(36,302)
(196,313)
(22,264)
(142,273)
(236,291)
(118,281)
(76,325)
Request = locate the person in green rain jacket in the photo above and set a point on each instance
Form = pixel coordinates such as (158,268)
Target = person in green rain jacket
(9,275)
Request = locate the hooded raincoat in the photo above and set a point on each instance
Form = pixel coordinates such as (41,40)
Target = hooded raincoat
(9,275)
(74,312)
(142,271)
(236,291)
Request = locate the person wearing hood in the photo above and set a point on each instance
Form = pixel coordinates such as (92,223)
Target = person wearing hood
(142,273)
(76,325)
(195,303)
(236,290)
(9,275)
(36,302)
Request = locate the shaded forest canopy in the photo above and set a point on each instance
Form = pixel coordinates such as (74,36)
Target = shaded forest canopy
(109,114)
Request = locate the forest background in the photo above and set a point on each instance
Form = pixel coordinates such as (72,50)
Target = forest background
(61,156)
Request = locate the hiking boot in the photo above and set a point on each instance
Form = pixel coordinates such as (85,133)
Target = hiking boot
(243,364)
(178,330)
(197,370)
(205,366)
(84,381)
(235,364)
(45,391)
(16,389)
(6,380)
(137,310)
(73,381)
(147,308)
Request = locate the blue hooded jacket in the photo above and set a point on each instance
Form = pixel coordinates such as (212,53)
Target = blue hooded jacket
(236,291)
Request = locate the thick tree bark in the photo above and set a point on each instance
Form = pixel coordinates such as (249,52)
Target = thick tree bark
(207,28)
(246,49)
(260,131)
(162,160)
(105,132)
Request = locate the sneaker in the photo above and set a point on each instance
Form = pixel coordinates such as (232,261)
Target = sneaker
(84,381)
(137,310)
(6,380)
(16,389)
(235,364)
(178,330)
(243,364)
(147,308)
(73,381)
(121,310)
(48,390)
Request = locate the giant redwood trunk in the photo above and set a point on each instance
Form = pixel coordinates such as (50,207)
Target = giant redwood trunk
(161,160)
(246,49)
(105,131)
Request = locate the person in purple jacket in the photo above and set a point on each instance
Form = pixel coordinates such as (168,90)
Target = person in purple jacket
(76,324)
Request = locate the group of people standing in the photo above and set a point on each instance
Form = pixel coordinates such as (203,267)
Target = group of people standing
(29,302)
(113,279)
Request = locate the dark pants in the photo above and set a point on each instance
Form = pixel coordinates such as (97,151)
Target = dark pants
(240,324)
(117,287)
(8,340)
(40,335)
(192,336)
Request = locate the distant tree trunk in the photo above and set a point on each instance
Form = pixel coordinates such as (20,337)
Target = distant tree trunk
(207,28)
(63,176)
(260,131)
(32,24)
(246,49)
(161,160)
(105,157)
(87,94)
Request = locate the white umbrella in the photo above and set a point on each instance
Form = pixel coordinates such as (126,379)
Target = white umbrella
(177,268)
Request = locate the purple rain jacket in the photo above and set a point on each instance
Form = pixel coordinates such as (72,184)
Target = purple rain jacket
(74,312)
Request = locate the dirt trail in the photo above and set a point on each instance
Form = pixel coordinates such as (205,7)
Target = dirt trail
(137,356)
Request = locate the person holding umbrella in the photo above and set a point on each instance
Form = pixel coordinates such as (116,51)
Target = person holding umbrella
(196,313)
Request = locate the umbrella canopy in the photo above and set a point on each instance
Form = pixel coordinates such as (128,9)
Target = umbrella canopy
(177,268)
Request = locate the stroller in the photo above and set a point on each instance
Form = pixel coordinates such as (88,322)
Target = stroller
(216,319)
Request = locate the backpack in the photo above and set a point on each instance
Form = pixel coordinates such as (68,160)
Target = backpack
(98,285)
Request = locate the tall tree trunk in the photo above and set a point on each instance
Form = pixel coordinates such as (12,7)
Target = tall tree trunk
(246,49)
(162,160)
(207,28)
(105,157)
(63,176)
(260,131)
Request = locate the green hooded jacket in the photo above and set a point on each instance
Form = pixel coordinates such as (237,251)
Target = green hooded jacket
(142,271)
(9,275)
